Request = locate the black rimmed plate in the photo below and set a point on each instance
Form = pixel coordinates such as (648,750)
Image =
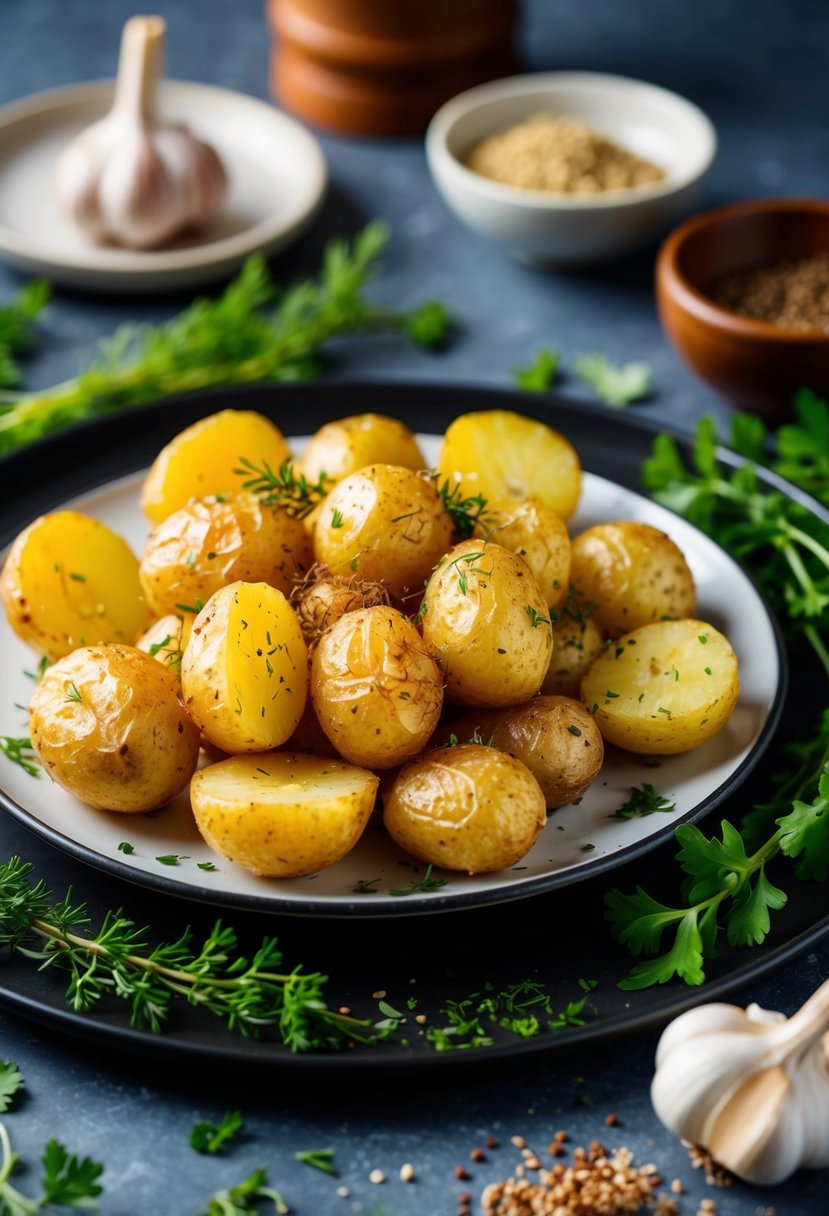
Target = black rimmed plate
(578,842)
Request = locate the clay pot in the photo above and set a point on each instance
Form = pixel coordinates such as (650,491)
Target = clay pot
(382,67)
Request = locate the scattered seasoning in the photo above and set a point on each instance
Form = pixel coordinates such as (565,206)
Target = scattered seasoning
(676,1187)
(377,1176)
(343,1192)
(478,1155)
(560,155)
(461,1174)
(172,859)
(491,1142)
(207,866)
(643,800)
(574,730)
(701,1159)
(611,1120)
(791,293)
(378,995)
(407,1173)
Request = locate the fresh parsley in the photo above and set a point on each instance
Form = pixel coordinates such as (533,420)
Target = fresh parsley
(11,1082)
(209,1137)
(614,384)
(319,1159)
(540,374)
(243,1199)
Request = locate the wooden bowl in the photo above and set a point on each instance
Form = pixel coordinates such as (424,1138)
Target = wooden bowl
(754,365)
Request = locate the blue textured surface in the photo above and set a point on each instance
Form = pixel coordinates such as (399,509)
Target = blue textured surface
(759,70)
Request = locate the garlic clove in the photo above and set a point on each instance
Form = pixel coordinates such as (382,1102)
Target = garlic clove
(752,1087)
(129,178)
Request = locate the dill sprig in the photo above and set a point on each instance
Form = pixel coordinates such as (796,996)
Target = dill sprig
(233,339)
(466,513)
(284,488)
(115,961)
(20,751)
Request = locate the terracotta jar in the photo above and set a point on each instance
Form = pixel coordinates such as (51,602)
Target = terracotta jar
(382,67)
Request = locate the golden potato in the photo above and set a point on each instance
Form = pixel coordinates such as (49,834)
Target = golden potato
(376,689)
(577,640)
(216,541)
(664,688)
(166,639)
(342,447)
(69,581)
(538,534)
(244,675)
(633,574)
(509,458)
(108,726)
(486,622)
(201,460)
(309,737)
(322,598)
(466,808)
(555,737)
(282,815)
(384,524)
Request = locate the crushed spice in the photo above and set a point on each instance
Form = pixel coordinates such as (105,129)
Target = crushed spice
(792,293)
(560,155)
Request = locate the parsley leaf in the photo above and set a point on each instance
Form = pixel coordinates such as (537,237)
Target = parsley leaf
(805,833)
(209,1137)
(615,385)
(69,1181)
(11,1082)
(243,1199)
(540,374)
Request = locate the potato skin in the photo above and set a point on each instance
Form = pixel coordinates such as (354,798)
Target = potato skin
(200,461)
(383,524)
(466,808)
(215,541)
(244,675)
(69,581)
(555,737)
(166,639)
(662,689)
(108,726)
(480,605)
(375,688)
(322,598)
(577,641)
(282,815)
(633,573)
(342,447)
(538,534)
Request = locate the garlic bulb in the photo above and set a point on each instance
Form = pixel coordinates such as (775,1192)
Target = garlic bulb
(751,1086)
(130,179)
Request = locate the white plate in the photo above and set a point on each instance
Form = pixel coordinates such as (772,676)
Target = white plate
(276,172)
(578,841)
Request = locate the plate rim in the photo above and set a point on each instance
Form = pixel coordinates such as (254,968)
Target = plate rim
(266,236)
(167,884)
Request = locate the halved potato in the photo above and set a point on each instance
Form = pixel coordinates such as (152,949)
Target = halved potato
(342,447)
(664,688)
(509,458)
(69,581)
(466,808)
(244,675)
(282,815)
(108,726)
(630,574)
(201,460)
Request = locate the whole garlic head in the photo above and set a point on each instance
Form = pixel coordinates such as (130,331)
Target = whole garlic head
(131,179)
(751,1086)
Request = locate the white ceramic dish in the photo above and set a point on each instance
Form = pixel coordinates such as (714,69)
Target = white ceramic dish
(578,840)
(277,182)
(565,229)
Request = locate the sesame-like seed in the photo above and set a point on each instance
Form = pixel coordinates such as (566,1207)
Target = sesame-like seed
(677,1187)
(421,1019)
(407,1172)
(518,1142)
(343,1192)
(461,1174)
(377,1176)
(378,995)
(478,1154)
(345,1010)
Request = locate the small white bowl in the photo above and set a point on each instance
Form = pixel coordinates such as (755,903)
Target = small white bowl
(563,229)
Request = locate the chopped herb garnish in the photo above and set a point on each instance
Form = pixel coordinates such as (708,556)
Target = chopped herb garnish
(466,513)
(540,374)
(79,578)
(614,384)
(20,751)
(40,670)
(610,694)
(574,730)
(207,866)
(336,518)
(644,800)
(195,608)
(124,846)
(427,882)
(172,859)
(366,886)
(318,1159)
(74,693)
(537,618)
(209,1137)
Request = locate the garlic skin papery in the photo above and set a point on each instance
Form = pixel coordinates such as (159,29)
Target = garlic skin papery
(130,179)
(750,1086)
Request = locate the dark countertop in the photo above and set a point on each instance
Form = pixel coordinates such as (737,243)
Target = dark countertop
(758,69)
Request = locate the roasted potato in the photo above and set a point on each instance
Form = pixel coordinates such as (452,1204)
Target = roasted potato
(322,598)
(633,574)
(486,622)
(215,541)
(202,460)
(244,675)
(664,688)
(508,458)
(342,447)
(376,689)
(69,581)
(538,534)
(384,524)
(466,808)
(108,726)
(555,737)
(166,639)
(282,815)
(577,640)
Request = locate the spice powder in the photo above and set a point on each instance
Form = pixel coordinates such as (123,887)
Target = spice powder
(792,293)
(560,155)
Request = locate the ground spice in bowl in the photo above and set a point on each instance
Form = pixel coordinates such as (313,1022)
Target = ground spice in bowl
(792,293)
(559,155)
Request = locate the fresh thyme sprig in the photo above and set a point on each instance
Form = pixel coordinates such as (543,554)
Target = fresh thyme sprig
(284,488)
(247,994)
(233,339)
